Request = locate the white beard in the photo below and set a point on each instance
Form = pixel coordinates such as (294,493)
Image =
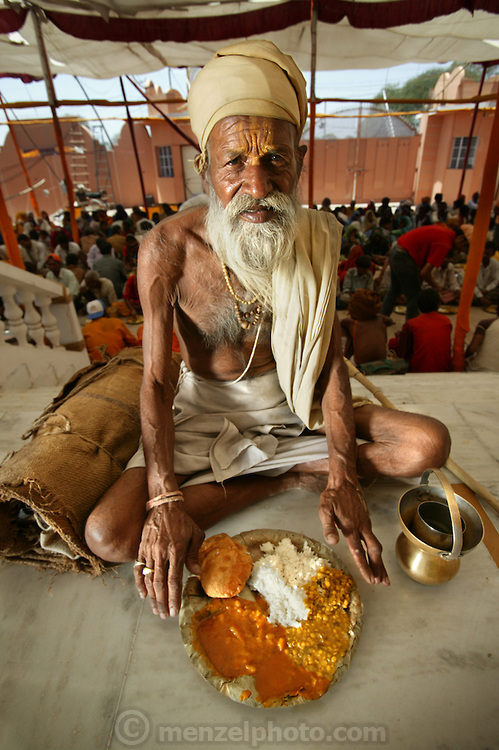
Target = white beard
(253,251)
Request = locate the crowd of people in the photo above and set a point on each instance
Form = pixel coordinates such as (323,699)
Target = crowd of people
(390,256)
(98,272)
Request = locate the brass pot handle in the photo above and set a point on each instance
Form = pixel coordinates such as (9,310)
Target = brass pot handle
(455,516)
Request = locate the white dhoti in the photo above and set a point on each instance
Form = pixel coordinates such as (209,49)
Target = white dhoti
(225,430)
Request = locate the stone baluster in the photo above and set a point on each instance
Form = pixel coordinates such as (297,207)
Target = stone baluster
(48,319)
(14,314)
(32,318)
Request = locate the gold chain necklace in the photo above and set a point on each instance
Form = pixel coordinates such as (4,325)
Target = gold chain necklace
(247,318)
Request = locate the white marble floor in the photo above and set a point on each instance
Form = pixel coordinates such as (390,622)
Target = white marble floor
(84,663)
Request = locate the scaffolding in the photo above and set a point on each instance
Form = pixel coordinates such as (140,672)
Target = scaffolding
(78,163)
(103,179)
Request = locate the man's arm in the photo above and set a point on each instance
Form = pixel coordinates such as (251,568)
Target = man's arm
(427,276)
(170,537)
(342,503)
(347,281)
(478,336)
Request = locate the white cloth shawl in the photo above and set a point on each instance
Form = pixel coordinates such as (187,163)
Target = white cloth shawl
(304,299)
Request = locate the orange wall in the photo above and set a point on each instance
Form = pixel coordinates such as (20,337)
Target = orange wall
(389,166)
(385,167)
(124,169)
(50,194)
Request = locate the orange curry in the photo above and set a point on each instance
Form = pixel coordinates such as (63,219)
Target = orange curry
(236,638)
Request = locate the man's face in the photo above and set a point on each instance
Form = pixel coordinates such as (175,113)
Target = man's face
(487,255)
(25,243)
(54,266)
(251,182)
(254,156)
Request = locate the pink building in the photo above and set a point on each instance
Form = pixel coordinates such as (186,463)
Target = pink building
(445,131)
(399,163)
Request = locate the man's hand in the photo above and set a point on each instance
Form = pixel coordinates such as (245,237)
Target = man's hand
(170,539)
(344,508)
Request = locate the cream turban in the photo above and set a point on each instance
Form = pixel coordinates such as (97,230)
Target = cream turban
(248,78)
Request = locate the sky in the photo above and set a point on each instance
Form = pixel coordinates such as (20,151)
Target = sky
(344,84)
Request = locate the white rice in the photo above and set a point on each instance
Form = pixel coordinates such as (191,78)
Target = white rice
(280,576)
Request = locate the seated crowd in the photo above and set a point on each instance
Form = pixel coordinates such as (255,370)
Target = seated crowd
(411,260)
(98,272)
(389,256)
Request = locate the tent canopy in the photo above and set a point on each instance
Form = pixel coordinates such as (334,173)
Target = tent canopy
(107,38)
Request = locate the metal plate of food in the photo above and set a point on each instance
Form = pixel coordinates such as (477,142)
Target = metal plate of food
(266,650)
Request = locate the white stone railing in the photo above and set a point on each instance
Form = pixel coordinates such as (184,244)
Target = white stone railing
(41,318)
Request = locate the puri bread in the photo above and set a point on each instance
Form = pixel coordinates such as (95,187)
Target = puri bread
(225,566)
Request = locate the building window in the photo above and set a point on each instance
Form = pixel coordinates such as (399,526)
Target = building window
(459,150)
(165,161)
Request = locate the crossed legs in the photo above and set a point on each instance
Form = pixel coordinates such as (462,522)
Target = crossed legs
(397,444)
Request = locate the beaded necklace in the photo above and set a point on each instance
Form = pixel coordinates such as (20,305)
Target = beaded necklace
(246,318)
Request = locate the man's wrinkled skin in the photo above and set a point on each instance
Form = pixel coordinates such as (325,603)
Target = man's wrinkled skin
(181,284)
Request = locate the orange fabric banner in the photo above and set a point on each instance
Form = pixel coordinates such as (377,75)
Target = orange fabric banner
(477,244)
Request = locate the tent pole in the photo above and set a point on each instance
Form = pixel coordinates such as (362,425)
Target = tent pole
(32,195)
(472,128)
(313,31)
(134,144)
(478,239)
(49,85)
(8,234)
(170,122)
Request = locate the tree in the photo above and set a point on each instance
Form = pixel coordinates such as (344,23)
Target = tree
(420,87)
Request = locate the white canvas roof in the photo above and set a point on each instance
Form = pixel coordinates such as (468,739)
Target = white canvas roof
(107,38)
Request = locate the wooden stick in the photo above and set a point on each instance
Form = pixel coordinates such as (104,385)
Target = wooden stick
(450,464)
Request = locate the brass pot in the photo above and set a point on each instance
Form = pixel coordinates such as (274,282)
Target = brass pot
(427,551)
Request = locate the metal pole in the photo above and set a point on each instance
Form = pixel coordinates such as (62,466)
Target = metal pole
(473,121)
(356,160)
(170,122)
(32,195)
(36,15)
(311,150)
(134,144)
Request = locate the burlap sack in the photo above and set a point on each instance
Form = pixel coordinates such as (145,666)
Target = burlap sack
(79,446)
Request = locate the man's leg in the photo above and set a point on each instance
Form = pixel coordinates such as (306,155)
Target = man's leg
(400,444)
(393,291)
(407,274)
(114,528)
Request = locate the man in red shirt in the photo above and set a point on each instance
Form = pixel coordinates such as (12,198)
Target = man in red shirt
(412,259)
(425,341)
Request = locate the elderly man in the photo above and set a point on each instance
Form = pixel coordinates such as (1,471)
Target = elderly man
(264,403)
(95,287)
